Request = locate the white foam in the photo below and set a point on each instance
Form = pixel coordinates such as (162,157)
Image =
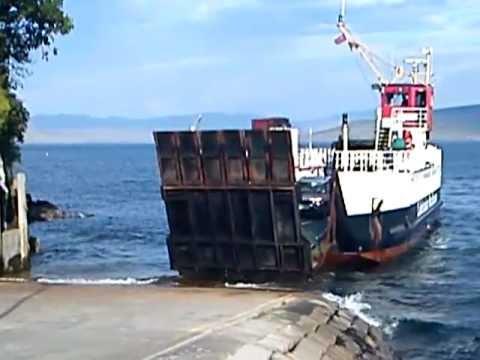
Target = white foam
(81,281)
(242,286)
(390,328)
(441,243)
(13,280)
(355,305)
(264,286)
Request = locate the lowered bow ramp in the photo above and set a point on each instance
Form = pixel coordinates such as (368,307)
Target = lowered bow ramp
(231,204)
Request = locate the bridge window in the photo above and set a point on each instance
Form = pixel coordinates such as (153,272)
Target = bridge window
(421,99)
(397,99)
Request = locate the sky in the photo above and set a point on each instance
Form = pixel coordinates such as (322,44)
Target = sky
(147,58)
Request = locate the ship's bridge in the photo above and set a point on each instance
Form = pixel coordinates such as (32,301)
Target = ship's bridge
(406,111)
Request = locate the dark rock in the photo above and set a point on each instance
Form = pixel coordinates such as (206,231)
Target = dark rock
(34,244)
(360,327)
(375,333)
(41,211)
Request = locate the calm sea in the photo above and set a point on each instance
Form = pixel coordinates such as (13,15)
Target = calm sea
(427,302)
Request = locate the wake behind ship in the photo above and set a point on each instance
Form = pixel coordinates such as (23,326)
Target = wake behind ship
(255,204)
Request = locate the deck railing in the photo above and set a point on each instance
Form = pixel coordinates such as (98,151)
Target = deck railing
(313,158)
(411,117)
(369,160)
(366,160)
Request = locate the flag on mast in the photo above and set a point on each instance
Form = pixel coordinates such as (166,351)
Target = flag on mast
(340,39)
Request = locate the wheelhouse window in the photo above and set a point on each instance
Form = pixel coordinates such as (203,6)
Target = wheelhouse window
(421,99)
(397,99)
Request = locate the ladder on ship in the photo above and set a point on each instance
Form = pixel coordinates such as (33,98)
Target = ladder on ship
(383,139)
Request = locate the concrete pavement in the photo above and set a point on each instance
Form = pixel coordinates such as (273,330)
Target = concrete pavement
(153,322)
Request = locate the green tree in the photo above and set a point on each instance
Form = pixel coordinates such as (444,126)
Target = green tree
(4,104)
(26,26)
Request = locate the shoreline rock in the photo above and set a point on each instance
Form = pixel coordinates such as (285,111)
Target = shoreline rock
(45,211)
(309,328)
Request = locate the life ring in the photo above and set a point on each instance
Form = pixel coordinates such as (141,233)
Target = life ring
(407,138)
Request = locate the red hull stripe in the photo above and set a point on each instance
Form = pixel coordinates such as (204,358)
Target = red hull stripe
(334,258)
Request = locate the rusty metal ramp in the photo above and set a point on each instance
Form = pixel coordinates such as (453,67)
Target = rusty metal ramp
(231,204)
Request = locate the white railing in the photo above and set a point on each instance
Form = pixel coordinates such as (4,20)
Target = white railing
(371,160)
(316,159)
(410,117)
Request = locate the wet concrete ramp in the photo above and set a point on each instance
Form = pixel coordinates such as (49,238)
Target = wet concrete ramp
(231,204)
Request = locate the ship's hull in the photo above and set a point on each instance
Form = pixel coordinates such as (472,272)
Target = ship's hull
(372,239)
(377,216)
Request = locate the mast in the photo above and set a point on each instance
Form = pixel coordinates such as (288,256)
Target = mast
(420,67)
(343,7)
(357,46)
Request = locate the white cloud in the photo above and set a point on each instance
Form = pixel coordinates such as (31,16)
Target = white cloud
(437,19)
(206,9)
(361,3)
(191,10)
(184,63)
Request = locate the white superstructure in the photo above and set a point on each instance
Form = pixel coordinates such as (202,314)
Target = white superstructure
(400,167)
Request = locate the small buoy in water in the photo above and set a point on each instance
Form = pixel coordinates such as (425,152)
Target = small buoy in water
(46,154)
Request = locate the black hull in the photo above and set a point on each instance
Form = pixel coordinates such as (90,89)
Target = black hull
(385,235)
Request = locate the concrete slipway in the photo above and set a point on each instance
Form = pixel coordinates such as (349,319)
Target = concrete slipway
(152,322)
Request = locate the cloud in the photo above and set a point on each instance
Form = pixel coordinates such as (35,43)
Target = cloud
(184,63)
(206,9)
(246,55)
(361,3)
(185,10)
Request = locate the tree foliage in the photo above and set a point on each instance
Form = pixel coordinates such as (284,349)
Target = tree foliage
(25,27)
(4,104)
(28,25)
(12,130)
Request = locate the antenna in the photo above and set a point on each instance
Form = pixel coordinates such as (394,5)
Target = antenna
(196,125)
(343,7)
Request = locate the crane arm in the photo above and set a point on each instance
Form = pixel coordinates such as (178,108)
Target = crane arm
(357,46)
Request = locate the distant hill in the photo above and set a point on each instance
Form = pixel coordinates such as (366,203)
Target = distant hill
(86,129)
(451,124)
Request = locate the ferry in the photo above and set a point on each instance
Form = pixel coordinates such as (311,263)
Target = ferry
(386,191)
(252,205)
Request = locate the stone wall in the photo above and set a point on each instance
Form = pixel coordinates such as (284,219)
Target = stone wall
(14,242)
(313,329)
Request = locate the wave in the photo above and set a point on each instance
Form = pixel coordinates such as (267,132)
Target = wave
(264,286)
(390,328)
(430,327)
(243,286)
(7,279)
(440,243)
(355,304)
(107,281)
